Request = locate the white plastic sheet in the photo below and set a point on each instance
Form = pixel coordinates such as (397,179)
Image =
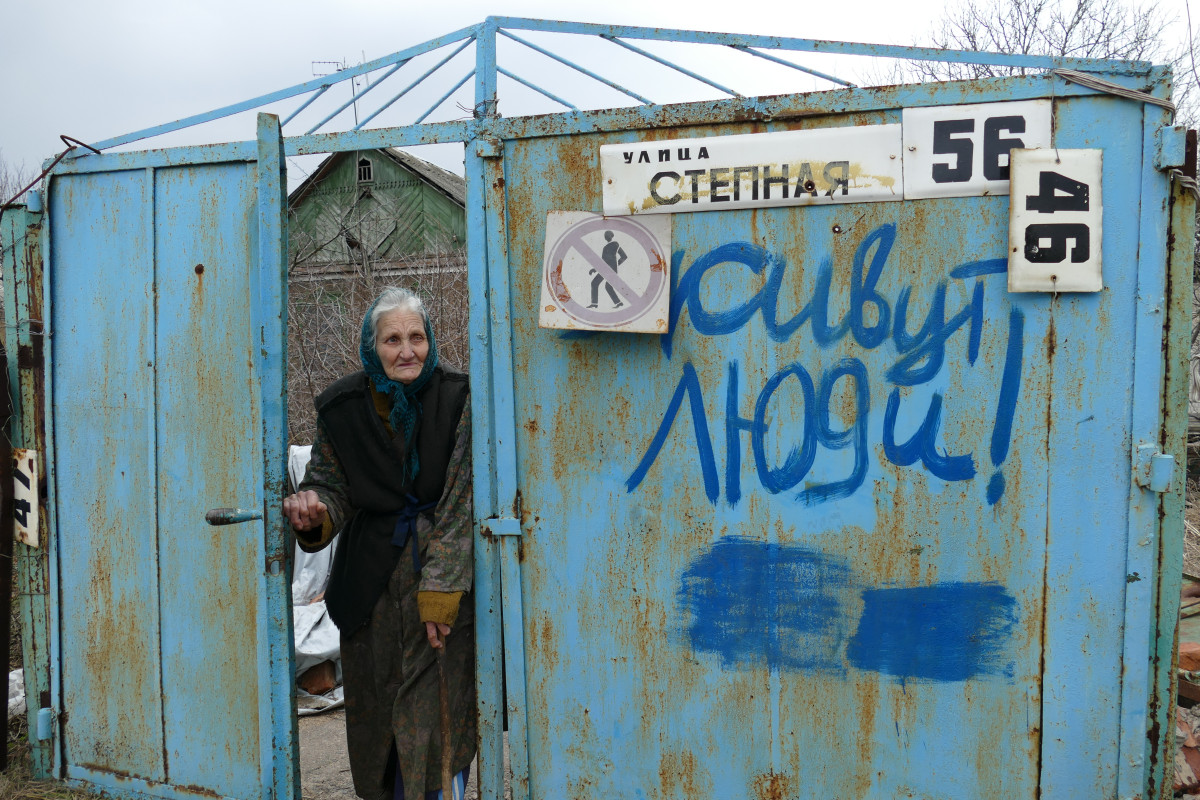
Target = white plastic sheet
(16,693)
(316,637)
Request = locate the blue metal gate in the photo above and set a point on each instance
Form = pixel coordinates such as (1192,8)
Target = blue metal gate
(165,376)
(865,522)
(857,526)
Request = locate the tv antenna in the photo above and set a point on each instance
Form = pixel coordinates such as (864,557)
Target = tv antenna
(334,67)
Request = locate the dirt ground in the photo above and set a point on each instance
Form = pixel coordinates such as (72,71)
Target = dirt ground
(324,765)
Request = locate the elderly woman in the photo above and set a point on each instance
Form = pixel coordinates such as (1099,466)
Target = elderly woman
(391,470)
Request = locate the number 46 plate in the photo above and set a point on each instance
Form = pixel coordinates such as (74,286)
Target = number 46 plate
(1055,212)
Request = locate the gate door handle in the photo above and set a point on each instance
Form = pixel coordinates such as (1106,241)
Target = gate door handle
(228,516)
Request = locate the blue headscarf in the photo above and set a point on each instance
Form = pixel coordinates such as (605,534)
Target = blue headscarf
(406,408)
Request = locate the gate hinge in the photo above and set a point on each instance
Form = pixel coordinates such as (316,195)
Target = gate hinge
(1152,469)
(501,526)
(1170,147)
(45,724)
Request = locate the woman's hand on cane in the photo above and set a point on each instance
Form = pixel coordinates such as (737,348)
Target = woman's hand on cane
(436,632)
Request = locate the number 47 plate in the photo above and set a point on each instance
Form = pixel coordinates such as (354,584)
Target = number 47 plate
(25,496)
(1055,211)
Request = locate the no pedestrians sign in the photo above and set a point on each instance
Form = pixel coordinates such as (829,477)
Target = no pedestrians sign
(606,273)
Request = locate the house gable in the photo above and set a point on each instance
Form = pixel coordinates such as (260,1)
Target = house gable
(407,208)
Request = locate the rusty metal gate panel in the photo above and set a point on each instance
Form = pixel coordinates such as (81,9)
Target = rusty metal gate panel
(165,378)
(863,523)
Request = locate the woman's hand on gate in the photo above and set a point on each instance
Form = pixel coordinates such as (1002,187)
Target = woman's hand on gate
(304,510)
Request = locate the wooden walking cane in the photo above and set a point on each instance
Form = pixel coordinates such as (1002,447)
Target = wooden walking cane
(444,702)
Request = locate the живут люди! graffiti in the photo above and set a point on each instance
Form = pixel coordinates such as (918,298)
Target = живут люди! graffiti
(920,357)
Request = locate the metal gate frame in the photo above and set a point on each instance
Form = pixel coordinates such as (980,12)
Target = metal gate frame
(1149,608)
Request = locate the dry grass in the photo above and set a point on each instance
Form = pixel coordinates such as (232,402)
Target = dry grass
(1191,532)
(17,784)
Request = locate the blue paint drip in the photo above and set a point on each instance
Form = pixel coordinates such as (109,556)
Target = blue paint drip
(1010,389)
(756,604)
(995,488)
(945,632)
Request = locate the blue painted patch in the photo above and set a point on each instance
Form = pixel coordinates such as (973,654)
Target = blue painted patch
(757,604)
(944,632)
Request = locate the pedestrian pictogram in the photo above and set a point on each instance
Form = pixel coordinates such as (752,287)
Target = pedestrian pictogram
(606,273)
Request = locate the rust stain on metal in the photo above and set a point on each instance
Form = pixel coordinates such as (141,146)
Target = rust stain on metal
(858,174)
(574,157)
(25,356)
(657,263)
(544,642)
(773,786)
(867,696)
(557,286)
(681,775)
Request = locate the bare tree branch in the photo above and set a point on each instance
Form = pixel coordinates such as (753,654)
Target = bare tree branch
(1065,28)
(13,178)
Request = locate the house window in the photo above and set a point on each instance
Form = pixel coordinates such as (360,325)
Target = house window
(364,171)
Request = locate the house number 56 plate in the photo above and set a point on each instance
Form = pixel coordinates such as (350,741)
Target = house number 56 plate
(1055,213)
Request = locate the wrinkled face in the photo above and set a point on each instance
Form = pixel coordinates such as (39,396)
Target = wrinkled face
(401,344)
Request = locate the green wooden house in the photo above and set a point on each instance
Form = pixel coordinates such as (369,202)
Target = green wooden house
(375,209)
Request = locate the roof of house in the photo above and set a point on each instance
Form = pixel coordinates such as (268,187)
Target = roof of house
(449,184)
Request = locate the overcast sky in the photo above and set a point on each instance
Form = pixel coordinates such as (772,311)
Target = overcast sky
(93,71)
